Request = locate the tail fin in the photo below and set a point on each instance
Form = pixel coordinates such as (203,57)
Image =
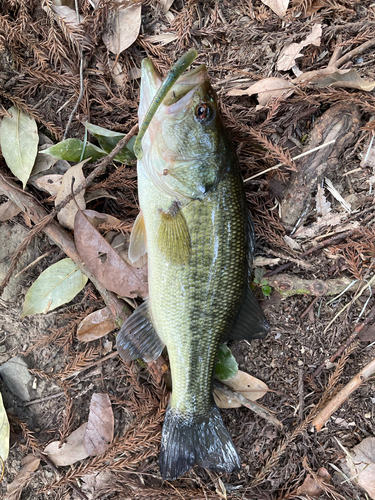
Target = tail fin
(195,439)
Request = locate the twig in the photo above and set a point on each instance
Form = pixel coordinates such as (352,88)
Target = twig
(308,309)
(35,262)
(322,417)
(300,392)
(258,409)
(295,158)
(352,337)
(355,52)
(329,241)
(336,53)
(49,462)
(47,398)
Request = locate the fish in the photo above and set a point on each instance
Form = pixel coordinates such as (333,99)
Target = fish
(195,227)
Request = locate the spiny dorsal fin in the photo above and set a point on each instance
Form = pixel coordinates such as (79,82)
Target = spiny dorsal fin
(138,240)
(173,235)
(250,323)
(137,337)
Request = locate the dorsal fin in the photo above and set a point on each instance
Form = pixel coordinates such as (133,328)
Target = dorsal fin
(173,235)
(137,337)
(138,240)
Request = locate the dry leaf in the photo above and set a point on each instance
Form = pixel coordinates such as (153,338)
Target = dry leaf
(279,7)
(166,5)
(96,325)
(96,218)
(70,452)
(106,265)
(100,427)
(243,383)
(322,205)
(119,77)
(162,39)
(267,89)
(122,27)
(50,183)
(8,210)
(312,487)
(265,261)
(329,220)
(68,14)
(293,244)
(67,214)
(341,78)
(361,463)
(98,193)
(331,188)
(289,54)
(30,465)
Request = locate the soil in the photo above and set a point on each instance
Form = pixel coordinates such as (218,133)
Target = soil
(240,43)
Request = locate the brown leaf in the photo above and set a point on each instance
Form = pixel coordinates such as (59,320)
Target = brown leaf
(68,14)
(70,452)
(96,218)
(8,210)
(96,325)
(67,214)
(279,7)
(267,89)
(30,465)
(243,383)
(361,463)
(98,193)
(100,427)
(331,219)
(289,54)
(341,78)
(50,183)
(368,334)
(166,5)
(105,264)
(123,25)
(312,487)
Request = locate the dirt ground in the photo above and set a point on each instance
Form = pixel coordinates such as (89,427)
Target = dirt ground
(240,42)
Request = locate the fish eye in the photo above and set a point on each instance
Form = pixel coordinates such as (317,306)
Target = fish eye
(203,112)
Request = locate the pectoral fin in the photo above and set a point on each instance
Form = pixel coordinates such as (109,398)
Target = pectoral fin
(138,240)
(250,323)
(173,235)
(137,337)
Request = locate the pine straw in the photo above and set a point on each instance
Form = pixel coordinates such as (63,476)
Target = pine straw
(40,62)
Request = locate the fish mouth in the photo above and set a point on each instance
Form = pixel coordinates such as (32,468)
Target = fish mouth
(185,84)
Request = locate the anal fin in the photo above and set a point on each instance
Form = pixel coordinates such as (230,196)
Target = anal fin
(137,337)
(173,235)
(138,240)
(250,323)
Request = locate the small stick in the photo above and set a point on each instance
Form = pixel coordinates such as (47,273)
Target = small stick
(329,241)
(355,52)
(295,158)
(300,392)
(322,417)
(49,462)
(308,309)
(94,363)
(260,410)
(35,262)
(352,337)
(47,398)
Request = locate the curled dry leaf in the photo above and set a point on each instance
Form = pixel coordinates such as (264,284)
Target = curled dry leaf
(30,465)
(4,432)
(67,14)
(361,463)
(341,78)
(247,385)
(315,487)
(8,210)
(95,218)
(98,193)
(100,427)
(162,38)
(279,7)
(123,25)
(267,89)
(96,325)
(70,452)
(289,54)
(67,214)
(50,183)
(104,262)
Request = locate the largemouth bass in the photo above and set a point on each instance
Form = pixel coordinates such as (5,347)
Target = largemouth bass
(194,225)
